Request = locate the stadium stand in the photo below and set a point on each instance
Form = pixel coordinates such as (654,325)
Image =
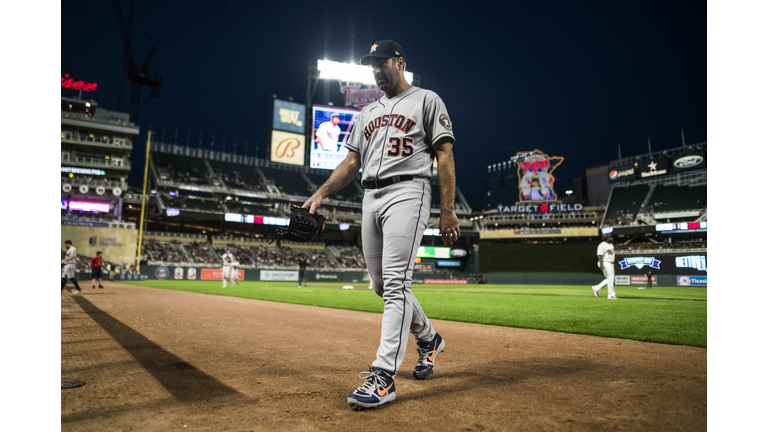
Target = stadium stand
(673,198)
(180,169)
(192,203)
(348,256)
(175,251)
(258,256)
(289,182)
(350,193)
(238,176)
(624,204)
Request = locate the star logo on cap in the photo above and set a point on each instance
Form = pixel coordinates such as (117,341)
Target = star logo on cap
(373,47)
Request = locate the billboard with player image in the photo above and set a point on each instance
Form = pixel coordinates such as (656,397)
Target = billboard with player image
(535,176)
(330,131)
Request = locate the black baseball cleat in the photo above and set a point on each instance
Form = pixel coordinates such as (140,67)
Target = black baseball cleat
(378,389)
(428,352)
(101,287)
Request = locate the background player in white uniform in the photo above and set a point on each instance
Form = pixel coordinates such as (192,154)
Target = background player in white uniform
(395,141)
(226,267)
(328,133)
(234,273)
(605,258)
(68,267)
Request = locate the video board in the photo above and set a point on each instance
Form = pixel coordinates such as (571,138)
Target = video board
(330,131)
(433,252)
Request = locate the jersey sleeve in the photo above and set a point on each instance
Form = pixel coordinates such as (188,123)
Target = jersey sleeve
(437,123)
(355,140)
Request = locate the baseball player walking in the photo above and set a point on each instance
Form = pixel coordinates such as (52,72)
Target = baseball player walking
(605,257)
(68,267)
(395,141)
(226,259)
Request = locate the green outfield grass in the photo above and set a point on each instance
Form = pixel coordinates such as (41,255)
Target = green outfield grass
(665,315)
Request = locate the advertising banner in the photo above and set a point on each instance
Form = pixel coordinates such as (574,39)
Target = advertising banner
(692,281)
(330,131)
(287,148)
(117,245)
(621,280)
(277,275)
(623,173)
(689,162)
(215,274)
(192,273)
(178,273)
(448,263)
(288,116)
(653,168)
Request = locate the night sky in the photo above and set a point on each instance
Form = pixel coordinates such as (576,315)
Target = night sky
(573,80)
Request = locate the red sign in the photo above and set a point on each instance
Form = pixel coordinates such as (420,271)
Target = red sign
(68,82)
(215,274)
(446,281)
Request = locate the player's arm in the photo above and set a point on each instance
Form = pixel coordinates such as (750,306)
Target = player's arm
(446,175)
(341,176)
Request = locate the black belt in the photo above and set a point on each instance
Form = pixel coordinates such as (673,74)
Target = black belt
(381,183)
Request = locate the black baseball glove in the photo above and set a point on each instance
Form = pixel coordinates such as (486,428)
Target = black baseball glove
(303,226)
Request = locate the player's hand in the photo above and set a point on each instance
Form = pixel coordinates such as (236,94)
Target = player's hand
(449,227)
(313,203)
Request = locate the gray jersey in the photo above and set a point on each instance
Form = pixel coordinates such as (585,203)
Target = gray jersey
(71,252)
(395,136)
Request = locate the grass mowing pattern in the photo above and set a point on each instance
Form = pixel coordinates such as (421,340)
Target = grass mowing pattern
(675,316)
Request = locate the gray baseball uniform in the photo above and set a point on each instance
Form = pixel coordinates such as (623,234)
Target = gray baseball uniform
(68,272)
(394,138)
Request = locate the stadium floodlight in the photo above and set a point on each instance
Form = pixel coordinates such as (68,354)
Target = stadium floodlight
(350,72)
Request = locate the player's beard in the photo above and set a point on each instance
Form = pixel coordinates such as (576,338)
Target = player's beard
(389,80)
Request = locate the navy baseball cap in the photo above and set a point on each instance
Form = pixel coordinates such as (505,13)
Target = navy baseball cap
(383,49)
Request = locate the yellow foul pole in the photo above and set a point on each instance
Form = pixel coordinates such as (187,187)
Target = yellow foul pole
(143,200)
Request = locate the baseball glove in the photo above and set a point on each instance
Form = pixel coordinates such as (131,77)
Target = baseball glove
(303,227)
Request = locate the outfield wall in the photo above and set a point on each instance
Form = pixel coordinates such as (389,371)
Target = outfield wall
(117,245)
(539,258)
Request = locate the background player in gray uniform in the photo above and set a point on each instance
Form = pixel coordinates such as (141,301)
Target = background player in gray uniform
(395,141)
(605,258)
(68,267)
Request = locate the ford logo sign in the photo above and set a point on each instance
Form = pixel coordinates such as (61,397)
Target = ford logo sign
(458,253)
(688,161)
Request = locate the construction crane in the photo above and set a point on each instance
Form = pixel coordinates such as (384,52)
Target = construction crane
(139,75)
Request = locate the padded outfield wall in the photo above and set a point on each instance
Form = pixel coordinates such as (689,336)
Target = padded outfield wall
(539,258)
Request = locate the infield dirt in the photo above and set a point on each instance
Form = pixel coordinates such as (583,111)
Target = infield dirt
(161,360)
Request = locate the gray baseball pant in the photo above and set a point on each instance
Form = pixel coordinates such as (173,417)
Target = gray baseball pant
(394,220)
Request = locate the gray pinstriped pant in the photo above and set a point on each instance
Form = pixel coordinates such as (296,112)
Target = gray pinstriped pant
(394,219)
